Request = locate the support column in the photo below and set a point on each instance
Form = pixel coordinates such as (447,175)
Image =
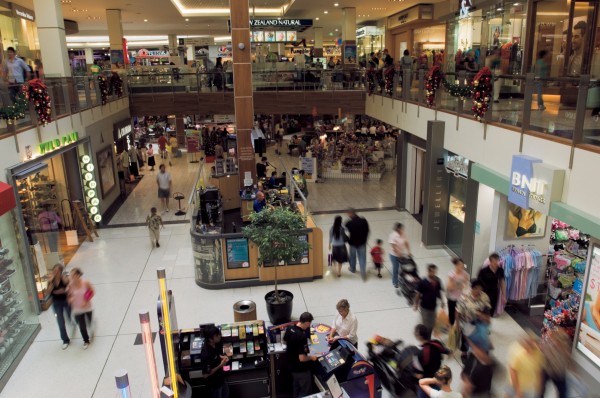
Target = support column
(51,33)
(318,49)
(173,44)
(242,86)
(180,130)
(191,54)
(349,35)
(89,57)
(115,37)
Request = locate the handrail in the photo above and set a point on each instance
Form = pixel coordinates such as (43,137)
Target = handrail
(294,185)
(197,184)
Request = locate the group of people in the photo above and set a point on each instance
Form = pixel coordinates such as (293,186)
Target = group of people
(71,301)
(355,233)
(16,71)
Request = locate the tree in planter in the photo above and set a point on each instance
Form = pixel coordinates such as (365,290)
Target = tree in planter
(275,232)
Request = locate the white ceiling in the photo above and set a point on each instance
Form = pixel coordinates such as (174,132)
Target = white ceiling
(161,17)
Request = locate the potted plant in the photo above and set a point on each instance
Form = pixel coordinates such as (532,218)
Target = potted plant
(276,234)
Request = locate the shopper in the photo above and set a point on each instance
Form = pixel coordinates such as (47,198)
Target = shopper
(458,281)
(492,279)
(142,155)
(15,71)
(556,348)
(430,356)
(57,286)
(358,228)
(50,223)
(344,324)
(429,290)
(472,311)
(260,202)
(525,368)
(154,223)
(133,163)
(400,253)
(298,356)
(443,379)
(337,244)
(150,154)
(39,69)
(174,144)
(542,71)
(377,254)
(162,146)
(261,168)
(219,151)
(164,182)
(213,362)
(79,296)
(478,372)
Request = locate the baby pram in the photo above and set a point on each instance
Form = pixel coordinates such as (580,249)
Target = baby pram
(408,279)
(393,363)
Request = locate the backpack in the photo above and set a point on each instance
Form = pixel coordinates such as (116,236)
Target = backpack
(430,357)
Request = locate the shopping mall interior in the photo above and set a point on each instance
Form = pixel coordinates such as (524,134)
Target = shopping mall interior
(185,164)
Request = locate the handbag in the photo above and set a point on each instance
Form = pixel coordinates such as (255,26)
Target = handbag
(454,336)
(442,323)
(329,259)
(89,293)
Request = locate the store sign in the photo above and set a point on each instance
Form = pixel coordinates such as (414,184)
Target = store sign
(23,13)
(123,131)
(534,184)
(411,15)
(142,53)
(464,7)
(457,165)
(280,23)
(366,31)
(56,143)
(220,51)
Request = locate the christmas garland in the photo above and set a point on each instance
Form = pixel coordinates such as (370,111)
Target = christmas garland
(116,84)
(103,86)
(388,76)
(434,78)
(371,81)
(18,108)
(482,87)
(38,94)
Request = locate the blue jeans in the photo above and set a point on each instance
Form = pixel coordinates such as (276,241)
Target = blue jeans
(539,86)
(395,267)
(61,307)
(361,252)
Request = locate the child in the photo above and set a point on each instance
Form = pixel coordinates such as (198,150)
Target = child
(377,256)
(154,222)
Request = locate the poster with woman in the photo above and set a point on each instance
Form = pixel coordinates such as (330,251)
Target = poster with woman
(524,223)
(589,329)
(104,160)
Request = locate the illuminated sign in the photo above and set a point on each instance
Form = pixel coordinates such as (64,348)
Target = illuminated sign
(280,23)
(51,145)
(23,13)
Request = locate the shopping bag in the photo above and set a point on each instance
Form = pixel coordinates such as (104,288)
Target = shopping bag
(329,259)
(442,323)
(454,337)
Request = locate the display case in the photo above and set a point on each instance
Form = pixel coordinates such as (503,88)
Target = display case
(18,311)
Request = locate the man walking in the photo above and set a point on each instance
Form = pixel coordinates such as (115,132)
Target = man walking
(492,280)
(164,182)
(15,71)
(358,230)
(429,291)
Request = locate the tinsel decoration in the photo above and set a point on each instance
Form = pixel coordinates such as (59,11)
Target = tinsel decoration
(18,108)
(38,94)
(388,75)
(116,85)
(103,86)
(434,78)
(371,81)
(482,87)
(456,90)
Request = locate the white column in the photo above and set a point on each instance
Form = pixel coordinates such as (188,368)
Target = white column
(173,44)
(89,56)
(115,29)
(349,24)
(191,56)
(51,33)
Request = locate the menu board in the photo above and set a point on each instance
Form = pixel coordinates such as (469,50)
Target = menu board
(280,35)
(269,36)
(237,253)
(304,258)
(588,340)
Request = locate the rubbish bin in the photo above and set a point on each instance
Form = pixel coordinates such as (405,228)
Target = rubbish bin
(244,310)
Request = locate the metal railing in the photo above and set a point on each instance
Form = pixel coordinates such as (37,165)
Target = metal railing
(68,95)
(564,107)
(173,81)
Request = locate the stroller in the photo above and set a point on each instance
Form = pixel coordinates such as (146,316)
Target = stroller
(393,363)
(408,279)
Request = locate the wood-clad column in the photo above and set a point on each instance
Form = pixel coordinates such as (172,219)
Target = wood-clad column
(242,86)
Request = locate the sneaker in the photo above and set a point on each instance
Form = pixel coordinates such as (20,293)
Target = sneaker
(157,244)
(379,276)
(541,108)
(86,345)
(65,346)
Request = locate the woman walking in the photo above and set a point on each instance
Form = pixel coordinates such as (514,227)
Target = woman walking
(337,243)
(58,290)
(150,154)
(458,280)
(400,253)
(80,293)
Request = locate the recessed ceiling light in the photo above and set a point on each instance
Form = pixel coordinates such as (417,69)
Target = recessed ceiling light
(145,20)
(336,4)
(325,12)
(336,30)
(499,9)
(516,4)
(317,18)
(187,20)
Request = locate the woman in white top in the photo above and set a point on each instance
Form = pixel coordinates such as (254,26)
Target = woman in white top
(344,325)
(442,379)
(400,252)
(458,280)
(79,296)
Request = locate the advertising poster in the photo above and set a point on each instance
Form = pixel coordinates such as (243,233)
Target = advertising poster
(589,331)
(192,144)
(237,253)
(304,258)
(104,160)
(291,36)
(281,35)
(116,57)
(524,223)
(269,36)
(350,54)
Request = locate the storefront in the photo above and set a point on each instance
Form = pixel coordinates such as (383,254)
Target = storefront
(123,135)
(369,39)
(18,321)
(457,168)
(415,30)
(57,193)
(19,30)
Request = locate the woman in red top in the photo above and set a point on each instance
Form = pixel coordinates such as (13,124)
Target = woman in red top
(377,253)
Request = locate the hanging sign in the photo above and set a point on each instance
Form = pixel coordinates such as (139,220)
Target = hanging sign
(56,143)
(280,23)
(22,12)
(534,184)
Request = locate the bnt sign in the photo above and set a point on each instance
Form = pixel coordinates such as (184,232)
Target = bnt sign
(534,184)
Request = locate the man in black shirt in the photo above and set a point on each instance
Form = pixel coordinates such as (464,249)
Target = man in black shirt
(492,279)
(213,360)
(261,168)
(300,361)
(358,231)
(429,290)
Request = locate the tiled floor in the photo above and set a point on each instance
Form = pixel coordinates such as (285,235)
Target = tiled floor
(123,269)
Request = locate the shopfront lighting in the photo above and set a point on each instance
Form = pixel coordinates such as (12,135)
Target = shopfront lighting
(94,210)
(97,218)
(91,193)
(88,176)
(94,201)
(85,159)
(89,167)
(92,184)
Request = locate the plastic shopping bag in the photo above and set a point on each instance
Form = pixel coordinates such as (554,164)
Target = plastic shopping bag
(442,323)
(454,337)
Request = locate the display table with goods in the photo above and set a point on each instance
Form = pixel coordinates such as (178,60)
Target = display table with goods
(340,368)
(224,258)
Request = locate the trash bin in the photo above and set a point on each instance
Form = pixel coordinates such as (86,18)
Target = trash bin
(244,310)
